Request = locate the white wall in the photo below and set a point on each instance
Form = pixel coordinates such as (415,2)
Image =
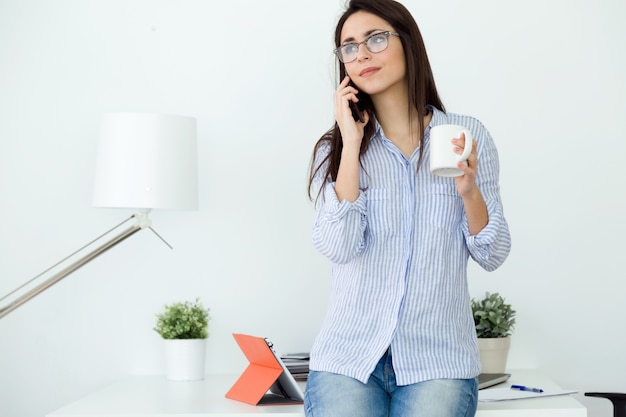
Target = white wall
(547,78)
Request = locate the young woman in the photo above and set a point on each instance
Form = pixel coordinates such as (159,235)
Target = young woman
(399,337)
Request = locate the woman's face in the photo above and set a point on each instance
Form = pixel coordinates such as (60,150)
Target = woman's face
(374,73)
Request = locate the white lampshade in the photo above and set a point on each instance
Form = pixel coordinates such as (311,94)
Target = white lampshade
(147,161)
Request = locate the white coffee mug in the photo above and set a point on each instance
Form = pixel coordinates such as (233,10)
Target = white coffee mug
(443,159)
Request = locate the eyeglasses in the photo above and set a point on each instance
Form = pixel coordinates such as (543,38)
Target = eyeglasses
(375,43)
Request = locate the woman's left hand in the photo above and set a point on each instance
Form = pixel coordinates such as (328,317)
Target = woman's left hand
(466,183)
(473,201)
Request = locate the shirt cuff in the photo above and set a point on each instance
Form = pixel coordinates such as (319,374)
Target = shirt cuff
(483,239)
(337,209)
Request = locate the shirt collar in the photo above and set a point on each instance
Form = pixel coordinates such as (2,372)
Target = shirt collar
(438,118)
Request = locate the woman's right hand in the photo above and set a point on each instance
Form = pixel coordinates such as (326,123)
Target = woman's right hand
(351,130)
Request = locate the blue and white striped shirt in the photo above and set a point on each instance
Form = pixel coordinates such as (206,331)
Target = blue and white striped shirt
(399,273)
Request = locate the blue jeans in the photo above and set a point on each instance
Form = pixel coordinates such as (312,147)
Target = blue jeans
(333,395)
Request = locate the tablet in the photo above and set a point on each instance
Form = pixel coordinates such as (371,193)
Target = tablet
(286,384)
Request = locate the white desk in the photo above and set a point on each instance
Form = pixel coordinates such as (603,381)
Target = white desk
(152,396)
(557,406)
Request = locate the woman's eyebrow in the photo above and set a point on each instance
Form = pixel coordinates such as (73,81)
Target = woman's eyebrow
(367,33)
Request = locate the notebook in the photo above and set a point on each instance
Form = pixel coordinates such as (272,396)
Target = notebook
(489,380)
(266,380)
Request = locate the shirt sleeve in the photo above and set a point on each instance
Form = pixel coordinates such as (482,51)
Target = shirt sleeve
(339,226)
(492,245)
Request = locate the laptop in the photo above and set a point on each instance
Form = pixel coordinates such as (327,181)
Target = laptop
(266,380)
(489,380)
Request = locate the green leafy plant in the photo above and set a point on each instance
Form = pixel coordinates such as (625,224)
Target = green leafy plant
(493,317)
(183,320)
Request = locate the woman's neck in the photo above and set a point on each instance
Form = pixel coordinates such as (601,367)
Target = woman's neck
(400,125)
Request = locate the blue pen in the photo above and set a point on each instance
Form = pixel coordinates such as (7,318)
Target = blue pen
(524,388)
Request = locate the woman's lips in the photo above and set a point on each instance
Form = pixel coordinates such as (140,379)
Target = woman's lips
(368,71)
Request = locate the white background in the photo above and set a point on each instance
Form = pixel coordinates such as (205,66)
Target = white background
(545,77)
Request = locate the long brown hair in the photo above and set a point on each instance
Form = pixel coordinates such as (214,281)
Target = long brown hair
(421,83)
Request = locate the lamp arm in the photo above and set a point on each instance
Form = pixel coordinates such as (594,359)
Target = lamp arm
(69,269)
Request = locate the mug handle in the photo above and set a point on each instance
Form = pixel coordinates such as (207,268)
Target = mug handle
(468,144)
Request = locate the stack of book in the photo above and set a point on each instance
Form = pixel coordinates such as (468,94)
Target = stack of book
(297,364)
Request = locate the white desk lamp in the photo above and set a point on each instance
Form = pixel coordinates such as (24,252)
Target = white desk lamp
(145,161)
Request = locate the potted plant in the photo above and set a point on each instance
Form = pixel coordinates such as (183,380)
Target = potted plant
(184,327)
(494,320)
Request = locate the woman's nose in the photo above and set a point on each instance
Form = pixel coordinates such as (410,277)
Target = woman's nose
(363,53)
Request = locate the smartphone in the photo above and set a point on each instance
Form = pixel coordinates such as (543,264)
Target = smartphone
(357,113)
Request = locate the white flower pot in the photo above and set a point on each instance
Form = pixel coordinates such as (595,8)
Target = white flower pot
(493,354)
(184,359)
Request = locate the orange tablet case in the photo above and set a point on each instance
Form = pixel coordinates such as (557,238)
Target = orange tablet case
(263,382)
